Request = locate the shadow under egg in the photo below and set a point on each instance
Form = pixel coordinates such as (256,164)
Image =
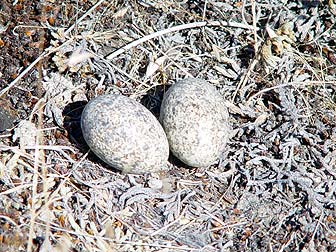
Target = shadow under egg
(72,123)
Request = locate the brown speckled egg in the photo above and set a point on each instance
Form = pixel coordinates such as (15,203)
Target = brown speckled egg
(124,134)
(195,119)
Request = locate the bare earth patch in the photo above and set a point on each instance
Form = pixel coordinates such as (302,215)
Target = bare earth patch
(274,62)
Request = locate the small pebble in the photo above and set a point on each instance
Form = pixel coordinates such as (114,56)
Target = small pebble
(124,134)
(195,119)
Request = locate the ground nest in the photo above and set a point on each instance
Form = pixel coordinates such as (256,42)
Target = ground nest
(274,62)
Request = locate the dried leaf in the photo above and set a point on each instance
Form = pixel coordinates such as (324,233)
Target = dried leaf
(121,13)
(154,66)
(26,133)
(261,119)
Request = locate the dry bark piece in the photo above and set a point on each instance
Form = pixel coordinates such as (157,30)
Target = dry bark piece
(7,115)
(124,134)
(195,119)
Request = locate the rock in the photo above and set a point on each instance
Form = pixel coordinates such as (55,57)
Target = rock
(195,120)
(124,134)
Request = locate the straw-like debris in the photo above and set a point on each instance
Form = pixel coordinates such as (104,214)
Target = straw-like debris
(274,188)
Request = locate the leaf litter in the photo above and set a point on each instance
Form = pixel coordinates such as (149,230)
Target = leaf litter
(274,187)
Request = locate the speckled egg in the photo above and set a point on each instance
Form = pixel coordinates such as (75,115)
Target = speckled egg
(195,119)
(124,134)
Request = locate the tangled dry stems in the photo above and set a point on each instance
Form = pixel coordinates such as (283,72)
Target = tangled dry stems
(274,188)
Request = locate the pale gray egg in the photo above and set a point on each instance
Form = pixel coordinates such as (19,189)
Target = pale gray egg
(195,119)
(124,134)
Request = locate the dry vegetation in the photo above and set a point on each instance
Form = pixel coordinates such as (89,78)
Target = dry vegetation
(273,190)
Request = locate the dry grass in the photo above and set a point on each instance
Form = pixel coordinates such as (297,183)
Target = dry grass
(273,190)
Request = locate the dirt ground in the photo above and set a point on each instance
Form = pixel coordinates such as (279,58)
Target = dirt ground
(274,188)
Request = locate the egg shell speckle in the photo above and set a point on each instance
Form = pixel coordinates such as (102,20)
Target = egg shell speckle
(195,119)
(124,134)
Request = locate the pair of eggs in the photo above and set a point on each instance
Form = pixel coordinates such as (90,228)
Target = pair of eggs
(128,137)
